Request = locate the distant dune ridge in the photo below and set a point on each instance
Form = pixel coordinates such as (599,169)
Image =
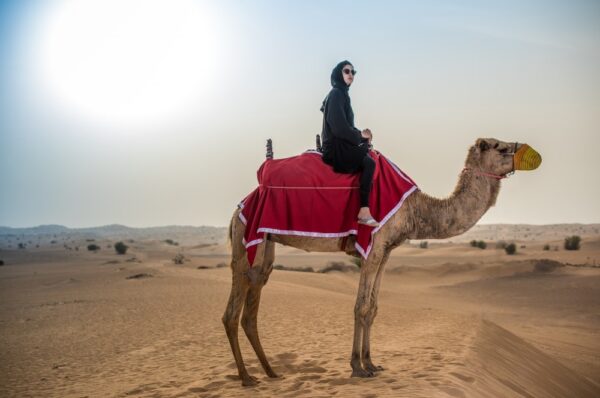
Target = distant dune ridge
(453,320)
(490,232)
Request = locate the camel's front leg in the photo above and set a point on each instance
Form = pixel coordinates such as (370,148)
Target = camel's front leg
(360,310)
(370,316)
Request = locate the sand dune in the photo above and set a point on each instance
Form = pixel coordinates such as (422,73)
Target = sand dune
(450,324)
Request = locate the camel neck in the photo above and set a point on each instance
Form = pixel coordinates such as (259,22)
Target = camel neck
(444,218)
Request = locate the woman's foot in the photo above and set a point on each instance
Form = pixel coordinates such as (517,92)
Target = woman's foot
(365,217)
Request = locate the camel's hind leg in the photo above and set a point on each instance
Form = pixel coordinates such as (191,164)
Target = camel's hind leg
(239,290)
(231,320)
(249,318)
(250,326)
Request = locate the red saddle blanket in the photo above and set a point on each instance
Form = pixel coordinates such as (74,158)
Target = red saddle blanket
(303,196)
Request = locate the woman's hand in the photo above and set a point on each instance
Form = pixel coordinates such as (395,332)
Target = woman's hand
(366,133)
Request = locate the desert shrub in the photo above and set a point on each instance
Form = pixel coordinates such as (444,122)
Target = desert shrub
(423,244)
(547,266)
(139,276)
(1,262)
(171,242)
(523,246)
(52,242)
(121,248)
(510,249)
(221,265)
(281,267)
(21,245)
(572,242)
(478,243)
(338,266)
(178,259)
(501,244)
(90,240)
(546,247)
(93,247)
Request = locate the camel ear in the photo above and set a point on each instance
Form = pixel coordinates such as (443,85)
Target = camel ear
(482,144)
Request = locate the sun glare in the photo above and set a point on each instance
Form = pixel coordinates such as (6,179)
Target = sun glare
(125,63)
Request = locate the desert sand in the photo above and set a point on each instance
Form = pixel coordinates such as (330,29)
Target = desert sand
(453,321)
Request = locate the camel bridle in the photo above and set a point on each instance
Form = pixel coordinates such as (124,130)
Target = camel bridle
(497,176)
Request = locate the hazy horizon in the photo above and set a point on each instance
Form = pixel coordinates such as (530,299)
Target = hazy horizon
(154,113)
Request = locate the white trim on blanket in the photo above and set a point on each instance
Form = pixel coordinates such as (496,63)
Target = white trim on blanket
(310,234)
(251,243)
(382,223)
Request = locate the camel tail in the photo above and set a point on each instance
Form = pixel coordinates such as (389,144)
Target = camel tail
(230,234)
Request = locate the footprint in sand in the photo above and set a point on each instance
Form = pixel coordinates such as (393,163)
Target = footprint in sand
(286,356)
(213,385)
(314,369)
(309,377)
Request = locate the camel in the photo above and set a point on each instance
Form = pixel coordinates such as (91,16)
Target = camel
(420,217)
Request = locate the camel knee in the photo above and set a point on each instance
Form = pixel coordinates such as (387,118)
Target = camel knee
(371,314)
(360,313)
(248,323)
(227,322)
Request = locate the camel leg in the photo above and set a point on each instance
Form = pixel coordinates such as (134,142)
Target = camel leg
(239,290)
(367,277)
(370,316)
(249,323)
(231,320)
(249,317)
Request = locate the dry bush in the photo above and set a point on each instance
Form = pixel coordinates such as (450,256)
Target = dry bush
(121,248)
(510,249)
(572,242)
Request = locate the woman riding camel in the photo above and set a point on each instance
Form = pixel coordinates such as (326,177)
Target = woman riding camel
(345,147)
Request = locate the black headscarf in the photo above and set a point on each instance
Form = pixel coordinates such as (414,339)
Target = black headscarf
(337,77)
(337,80)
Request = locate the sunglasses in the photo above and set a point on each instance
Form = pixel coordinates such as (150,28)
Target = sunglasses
(348,71)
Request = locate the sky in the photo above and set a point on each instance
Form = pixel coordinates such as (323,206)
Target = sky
(156,112)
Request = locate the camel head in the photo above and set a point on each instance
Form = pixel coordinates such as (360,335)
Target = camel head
(496,157)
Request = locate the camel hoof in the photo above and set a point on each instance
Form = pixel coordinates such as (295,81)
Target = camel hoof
(373,368)
(362,373)
(274,375)
(250,381)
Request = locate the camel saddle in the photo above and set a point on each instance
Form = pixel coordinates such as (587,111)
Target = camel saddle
(303,196)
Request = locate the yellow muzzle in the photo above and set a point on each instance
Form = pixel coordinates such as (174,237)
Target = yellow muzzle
(526,158)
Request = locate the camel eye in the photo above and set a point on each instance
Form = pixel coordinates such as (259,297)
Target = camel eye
(504,150)
(496,145)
